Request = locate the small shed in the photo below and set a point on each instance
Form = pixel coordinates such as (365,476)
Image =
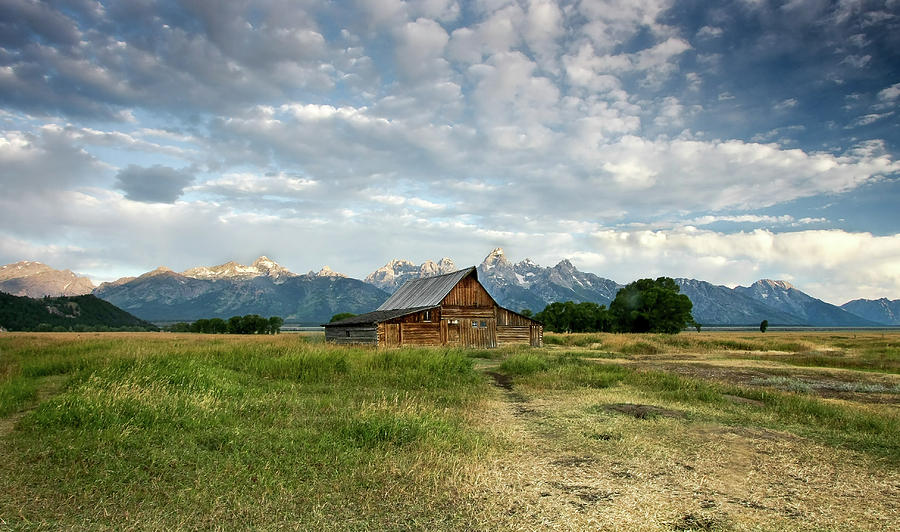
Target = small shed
(451,309)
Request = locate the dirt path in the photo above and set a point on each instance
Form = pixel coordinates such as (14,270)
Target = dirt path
(592,459)
(47,387)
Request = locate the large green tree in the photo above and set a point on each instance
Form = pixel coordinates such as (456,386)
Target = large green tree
(648,305)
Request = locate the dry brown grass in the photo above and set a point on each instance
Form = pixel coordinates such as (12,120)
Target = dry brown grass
(572,467)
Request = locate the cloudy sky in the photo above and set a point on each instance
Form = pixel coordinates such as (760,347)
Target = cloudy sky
(753,139)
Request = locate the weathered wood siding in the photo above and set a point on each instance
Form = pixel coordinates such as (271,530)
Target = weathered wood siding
(359,334)
(514,328)
(537,335)
(468,292)
(478,336)
(513,335)
(412,329)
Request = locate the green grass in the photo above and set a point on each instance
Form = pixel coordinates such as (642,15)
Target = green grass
(176,430)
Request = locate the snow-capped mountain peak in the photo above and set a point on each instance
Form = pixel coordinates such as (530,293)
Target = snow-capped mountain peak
(772,284)
(495,258)
(263,266)
(392,275)
(326,272)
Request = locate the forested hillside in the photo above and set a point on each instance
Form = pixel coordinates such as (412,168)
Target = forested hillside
(73,313)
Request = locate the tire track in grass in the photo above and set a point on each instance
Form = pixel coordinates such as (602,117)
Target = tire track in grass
(47,388)
(545,485)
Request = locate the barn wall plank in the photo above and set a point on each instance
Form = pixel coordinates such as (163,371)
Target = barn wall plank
(352,335)
(420,333)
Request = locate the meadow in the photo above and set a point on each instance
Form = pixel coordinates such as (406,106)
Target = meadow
(696,431)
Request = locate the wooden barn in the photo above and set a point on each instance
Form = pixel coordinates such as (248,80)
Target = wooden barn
(449,309)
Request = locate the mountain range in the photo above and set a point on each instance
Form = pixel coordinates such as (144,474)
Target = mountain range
(264,287)
(231,289)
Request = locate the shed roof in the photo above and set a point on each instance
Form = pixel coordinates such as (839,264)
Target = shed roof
(374,317)
(427,292)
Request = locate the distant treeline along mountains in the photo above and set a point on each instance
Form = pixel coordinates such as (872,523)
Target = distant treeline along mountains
(266,288)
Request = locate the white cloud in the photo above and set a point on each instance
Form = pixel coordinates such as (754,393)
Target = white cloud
(856,61)
(498,122)
(831,264)
(45,161)
(865,120)
(784,219)
(890,94)
(250,184)
(420,49)
(786,104)
(709,32)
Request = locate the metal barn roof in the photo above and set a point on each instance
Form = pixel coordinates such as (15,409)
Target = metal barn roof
(377,316)
(427,292)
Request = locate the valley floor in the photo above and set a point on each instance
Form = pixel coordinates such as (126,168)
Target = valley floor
(698,431)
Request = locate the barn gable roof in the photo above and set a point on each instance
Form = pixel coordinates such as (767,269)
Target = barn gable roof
(427,292)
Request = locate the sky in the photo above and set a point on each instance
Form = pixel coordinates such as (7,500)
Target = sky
(724,141)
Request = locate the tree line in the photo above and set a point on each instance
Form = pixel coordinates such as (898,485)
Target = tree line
(249,324)
(646,305)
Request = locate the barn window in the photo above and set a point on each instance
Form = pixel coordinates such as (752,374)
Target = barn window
(426,316)
(483,324)
(474,324)
(347,332)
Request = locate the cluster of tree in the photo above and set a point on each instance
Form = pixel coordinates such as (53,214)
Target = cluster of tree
(341,316)
(645,305)
(249,324)
(61,314)
(575,317)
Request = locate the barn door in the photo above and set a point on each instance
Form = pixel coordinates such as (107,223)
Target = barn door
(537,337)
(392,334)
(453,332)
(483,333)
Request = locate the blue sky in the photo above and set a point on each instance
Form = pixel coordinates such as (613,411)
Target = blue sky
(746,140)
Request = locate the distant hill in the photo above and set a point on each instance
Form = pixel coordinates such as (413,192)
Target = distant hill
(233,289)
(34,279)
(879,310)
(76,313)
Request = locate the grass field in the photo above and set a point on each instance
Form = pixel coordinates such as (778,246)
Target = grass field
(698,431)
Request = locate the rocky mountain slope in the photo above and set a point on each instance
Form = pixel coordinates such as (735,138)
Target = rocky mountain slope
(392,275)
(34,279)
(720,305)
(526,285)
(264,288)
(878,310)
(782,296)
